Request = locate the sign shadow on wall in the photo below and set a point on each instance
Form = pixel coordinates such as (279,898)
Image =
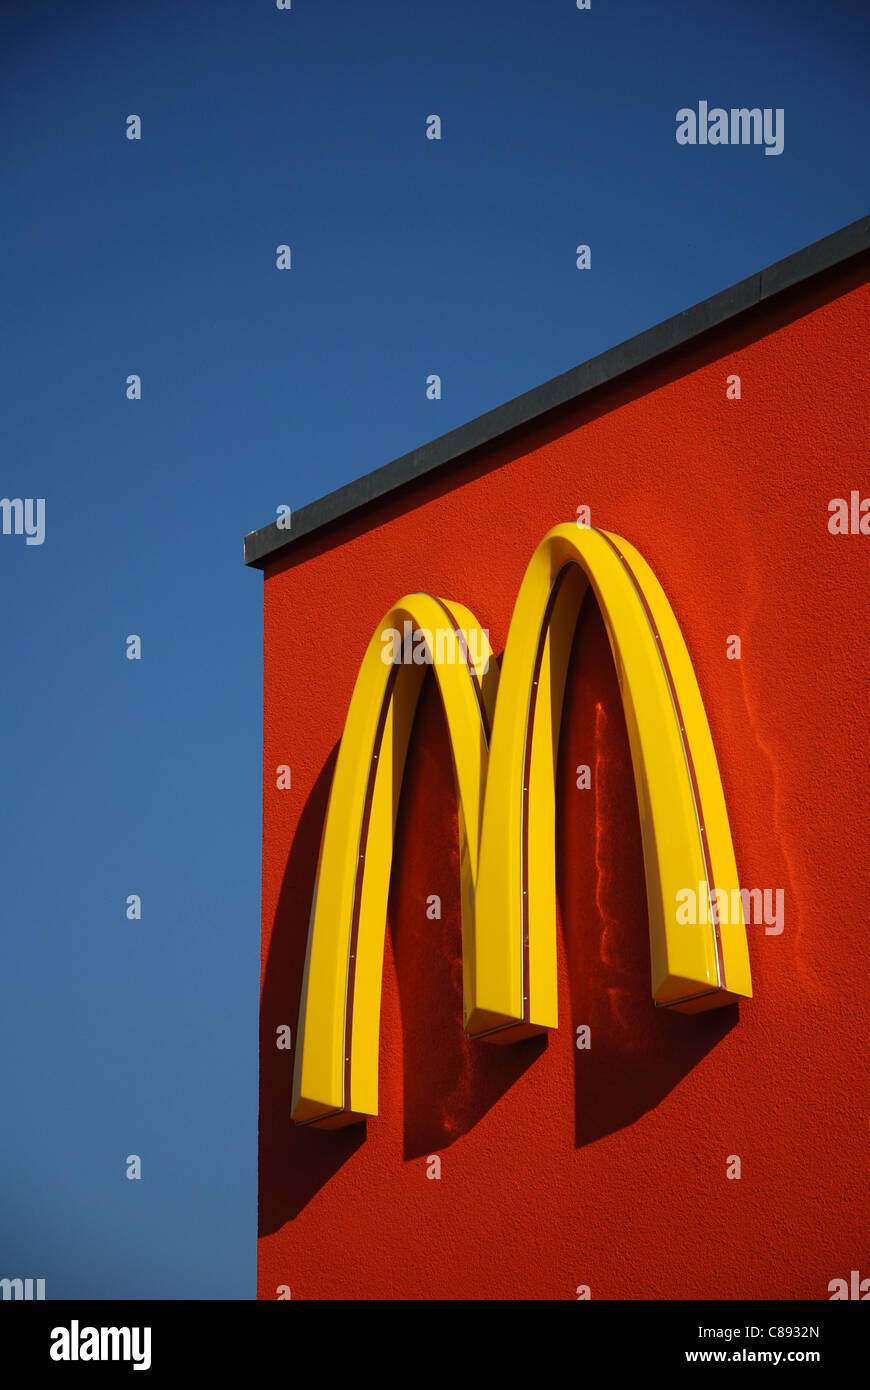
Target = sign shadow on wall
(294,1163)
(636,1053)
(449,1082)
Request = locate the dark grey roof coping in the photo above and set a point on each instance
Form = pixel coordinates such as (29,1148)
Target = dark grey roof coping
(565,389)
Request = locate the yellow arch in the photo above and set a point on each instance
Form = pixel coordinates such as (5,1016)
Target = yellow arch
(506,796)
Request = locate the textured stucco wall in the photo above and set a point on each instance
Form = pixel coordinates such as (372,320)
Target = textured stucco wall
(608,1167)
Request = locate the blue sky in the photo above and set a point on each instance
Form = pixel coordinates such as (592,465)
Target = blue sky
(260,387)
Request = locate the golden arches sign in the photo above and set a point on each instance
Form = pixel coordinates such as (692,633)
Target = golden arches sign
(504,753)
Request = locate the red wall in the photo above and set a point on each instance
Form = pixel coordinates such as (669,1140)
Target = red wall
(608,1167)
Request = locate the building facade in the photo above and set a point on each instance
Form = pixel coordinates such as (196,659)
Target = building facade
(633,1151)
